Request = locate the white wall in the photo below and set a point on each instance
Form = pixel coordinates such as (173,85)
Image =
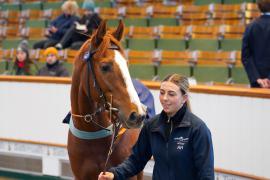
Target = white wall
(240,126)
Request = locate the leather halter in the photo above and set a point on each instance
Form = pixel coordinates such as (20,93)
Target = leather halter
(105,105)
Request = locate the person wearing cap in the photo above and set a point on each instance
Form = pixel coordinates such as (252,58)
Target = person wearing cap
(82,29)
(53,66)
(23,65)
(179,141)
(59,26)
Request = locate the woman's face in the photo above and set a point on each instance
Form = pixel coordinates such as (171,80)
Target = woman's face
(171,98)
(21,56)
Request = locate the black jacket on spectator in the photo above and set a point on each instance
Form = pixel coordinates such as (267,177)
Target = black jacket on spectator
(91,21)
(256,50)
(57,69)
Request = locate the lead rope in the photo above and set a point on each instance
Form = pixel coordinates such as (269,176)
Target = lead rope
(114,136)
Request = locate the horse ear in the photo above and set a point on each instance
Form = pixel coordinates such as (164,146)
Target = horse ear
(118,33)
(101,31)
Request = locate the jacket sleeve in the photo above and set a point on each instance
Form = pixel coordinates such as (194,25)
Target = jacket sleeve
(146,97)
(248,57)
(135,163)
(203,153)
(63,28)
(54,21)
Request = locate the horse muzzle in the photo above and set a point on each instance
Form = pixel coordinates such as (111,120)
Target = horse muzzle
(135,120)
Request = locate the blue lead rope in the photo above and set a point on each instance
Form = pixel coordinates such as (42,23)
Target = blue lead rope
(90,135)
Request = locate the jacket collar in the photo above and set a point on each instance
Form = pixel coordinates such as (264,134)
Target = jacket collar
(180,122)
(265,15)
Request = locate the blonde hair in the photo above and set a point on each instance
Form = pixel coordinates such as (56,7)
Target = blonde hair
(70,7)
(179,80)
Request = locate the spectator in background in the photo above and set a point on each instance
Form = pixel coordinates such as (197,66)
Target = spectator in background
(53,66)
(256,48)
(78,33)
(60,25)
(146,98)
(23,65)
(179,141)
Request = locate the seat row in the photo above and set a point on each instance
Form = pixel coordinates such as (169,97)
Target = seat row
(183,14)
(156,32)
(205,66)
(145,57)
(174,11)
(181,45)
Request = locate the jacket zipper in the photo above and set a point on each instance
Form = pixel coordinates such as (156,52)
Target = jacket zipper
(167,144)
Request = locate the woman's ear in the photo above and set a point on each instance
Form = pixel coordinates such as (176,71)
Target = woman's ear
(185,98)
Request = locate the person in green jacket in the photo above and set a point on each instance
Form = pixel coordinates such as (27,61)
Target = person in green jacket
(23,65)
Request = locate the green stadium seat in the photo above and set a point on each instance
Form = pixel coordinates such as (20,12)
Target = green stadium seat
(171,44)
(206,73)
(166,69)
(31,42)
(103,3)
(69,67)
(135,22)
(231,44)
(141,44)
(141,71)
(112,22)
(239,75)
(174,62)
(33,5)
(2,66)
(237,1)
(206,2)
(203,44)
(124,43)
(163,21)
(10,43)
(40,23)
(52,5)
(11,6)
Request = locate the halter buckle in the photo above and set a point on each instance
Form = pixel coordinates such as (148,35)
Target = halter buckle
(88,118)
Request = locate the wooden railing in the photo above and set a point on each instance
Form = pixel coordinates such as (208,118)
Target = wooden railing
(208,89)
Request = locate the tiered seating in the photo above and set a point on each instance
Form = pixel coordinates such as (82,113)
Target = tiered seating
(177,37)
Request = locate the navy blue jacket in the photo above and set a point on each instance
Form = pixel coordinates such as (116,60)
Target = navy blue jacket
(62,23)
(146,97)
(256,50)
(184,152)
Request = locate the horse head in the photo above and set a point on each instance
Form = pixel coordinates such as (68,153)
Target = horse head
(101,77)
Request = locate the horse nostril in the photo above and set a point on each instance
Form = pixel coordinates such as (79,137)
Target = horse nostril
(133,116)
(143,117)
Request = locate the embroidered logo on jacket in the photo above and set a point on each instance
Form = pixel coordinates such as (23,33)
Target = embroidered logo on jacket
(180,142)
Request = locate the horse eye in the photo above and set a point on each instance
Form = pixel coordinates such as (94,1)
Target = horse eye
(106,67)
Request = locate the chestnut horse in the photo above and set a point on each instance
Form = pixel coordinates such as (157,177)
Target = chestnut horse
(102,94)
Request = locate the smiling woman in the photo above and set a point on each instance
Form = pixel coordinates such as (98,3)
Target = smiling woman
(176,134)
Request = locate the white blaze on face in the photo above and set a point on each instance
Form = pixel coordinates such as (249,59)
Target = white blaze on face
(122,63)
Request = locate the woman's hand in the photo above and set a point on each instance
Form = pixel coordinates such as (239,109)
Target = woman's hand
(106,176)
